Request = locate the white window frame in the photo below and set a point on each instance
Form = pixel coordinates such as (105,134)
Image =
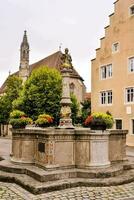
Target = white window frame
(113,47)
(131,68)
(131,95)
(104,97)
(108,70)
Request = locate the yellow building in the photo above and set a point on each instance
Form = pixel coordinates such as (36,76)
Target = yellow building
(112,84)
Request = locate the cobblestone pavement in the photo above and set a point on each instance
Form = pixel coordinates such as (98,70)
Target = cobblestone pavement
(9,191)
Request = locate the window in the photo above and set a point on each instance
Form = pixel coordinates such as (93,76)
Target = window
(109,97)
(132,10)
(109,70)
(130,94)
(106,97)
(115,47)
(131,64)
(106,71)
(103,72)
(118,123)
(72,88)
(132,126)
(103,97)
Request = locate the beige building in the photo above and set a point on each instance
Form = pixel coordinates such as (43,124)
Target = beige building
(113,69)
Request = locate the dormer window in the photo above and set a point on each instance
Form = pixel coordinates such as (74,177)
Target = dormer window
(132,10)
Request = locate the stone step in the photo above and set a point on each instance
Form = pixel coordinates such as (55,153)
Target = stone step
(45,175)
(37,187)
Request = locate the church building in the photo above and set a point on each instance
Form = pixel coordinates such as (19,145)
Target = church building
(53,61)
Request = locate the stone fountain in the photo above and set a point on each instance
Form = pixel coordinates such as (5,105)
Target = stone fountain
(67,154)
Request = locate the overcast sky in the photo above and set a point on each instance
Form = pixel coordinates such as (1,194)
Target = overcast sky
(77,24)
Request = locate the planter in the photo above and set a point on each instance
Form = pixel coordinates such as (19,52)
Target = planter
(98,127)
(18,127)
(43,125)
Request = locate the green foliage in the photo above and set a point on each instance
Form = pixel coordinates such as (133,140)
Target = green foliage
(99,118)
(21,122)
(74,109)
(5,108)
(16,114)
(86,109)
(41,94)
(44,120)
(18,119)
(13,88)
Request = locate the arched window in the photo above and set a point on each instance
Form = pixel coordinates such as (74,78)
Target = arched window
(24,53)
(72,86)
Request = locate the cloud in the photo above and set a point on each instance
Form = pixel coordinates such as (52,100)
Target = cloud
(69,21)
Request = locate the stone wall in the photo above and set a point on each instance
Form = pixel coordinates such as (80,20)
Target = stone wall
(117,145)
(68,148)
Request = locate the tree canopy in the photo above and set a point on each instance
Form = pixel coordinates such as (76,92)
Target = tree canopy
(41,93)
(13,88)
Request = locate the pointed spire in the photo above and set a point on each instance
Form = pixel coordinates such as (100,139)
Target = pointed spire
(25,41)
(24,58)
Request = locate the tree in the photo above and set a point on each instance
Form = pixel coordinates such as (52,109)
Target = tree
(41,94)
(74,108)
(13,88)
(86,109)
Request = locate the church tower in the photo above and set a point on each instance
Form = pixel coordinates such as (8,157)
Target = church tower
(24,59)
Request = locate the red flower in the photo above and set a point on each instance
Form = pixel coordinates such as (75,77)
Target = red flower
(88,120)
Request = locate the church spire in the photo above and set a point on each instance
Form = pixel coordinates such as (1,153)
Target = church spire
(24,58)
(25,41)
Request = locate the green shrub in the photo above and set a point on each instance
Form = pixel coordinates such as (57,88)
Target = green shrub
(18,119)
(44,120)
(16,114)
(99,118)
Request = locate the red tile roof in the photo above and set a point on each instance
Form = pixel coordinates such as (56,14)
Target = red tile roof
(54,61)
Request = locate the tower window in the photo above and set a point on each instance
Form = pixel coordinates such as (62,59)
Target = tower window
(72,88)
(24,54)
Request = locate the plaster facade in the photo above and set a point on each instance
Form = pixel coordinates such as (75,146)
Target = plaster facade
(111,73)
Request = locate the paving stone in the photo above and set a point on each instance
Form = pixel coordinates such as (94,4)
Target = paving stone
(123,192)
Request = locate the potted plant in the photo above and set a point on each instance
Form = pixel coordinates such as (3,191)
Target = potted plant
(99,121)
(44,120)
(18,119)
